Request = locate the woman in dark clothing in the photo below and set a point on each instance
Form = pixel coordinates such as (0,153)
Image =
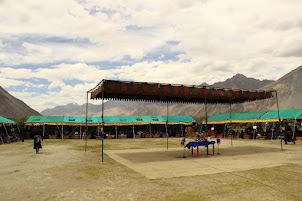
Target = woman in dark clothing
(37,143)
(37,132)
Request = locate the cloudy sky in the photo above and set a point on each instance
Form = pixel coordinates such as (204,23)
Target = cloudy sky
(52,52)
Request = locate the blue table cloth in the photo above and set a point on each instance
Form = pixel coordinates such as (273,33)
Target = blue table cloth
(196,144)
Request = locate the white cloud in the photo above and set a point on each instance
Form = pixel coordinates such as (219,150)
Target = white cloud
(212,41)
(5,82)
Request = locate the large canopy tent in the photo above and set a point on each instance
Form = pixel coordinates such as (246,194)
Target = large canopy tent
(170,93)
(5,122)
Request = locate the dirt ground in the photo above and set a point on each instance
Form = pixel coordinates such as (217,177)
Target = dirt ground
(143,169)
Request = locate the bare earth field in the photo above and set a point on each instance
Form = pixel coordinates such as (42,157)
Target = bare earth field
(143,169)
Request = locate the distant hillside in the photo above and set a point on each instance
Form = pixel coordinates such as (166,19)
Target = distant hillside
(11,107)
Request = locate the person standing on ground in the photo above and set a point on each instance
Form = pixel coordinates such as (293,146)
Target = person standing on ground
(37,132)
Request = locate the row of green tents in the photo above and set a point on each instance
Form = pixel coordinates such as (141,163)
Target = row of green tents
(253,117)
(108,121)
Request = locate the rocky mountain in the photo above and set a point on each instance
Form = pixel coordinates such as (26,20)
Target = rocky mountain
(240,81)
(11,107)
(289,89)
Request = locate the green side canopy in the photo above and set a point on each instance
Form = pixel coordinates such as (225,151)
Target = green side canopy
(108,121)
(117,120)
(257,116)
(68,120)
(179,119)
(6,121)
(284,114)
(247,116)
(41,120)
(219,118)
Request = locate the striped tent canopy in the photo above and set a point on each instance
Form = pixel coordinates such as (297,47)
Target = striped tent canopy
(123,90)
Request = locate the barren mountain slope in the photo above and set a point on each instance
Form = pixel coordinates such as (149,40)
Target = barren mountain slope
(11,107)
(289,89)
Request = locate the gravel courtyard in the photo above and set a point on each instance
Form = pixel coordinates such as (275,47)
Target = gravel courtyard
(143,169)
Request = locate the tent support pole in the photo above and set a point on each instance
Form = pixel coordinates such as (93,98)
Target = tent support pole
(295,126)
(231,122)
(133,131)
(86,122)
(150,129)
(206,110)
(294,129)
(62,131)
(18,128)
(182,130)
(167,134)
(273,130)
(224,131)
(80,132)
(115,131)
(279,117)
(1,139)
(43,130)
(103,123)
(5,129)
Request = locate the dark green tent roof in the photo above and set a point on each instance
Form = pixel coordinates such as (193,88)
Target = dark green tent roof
(257,116)
(114,120)
(284,114)
(45,119)
(6,121)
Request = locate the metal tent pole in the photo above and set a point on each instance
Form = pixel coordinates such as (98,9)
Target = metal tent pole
(294,129)
(5,129)
(43,130)
(206,110)
(279,118)
(133,131)
(167,123)
(295,126)
(103,122)
(231,122)
(86,122)
(182,130)
(80,132)
(115,131)
(273,130)
(62,131)
(18,128)
(150,130)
